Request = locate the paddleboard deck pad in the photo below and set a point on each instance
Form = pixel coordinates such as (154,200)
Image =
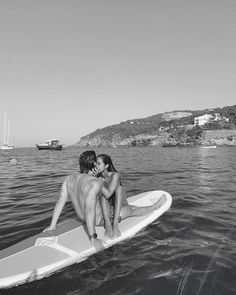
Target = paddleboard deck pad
(50,251)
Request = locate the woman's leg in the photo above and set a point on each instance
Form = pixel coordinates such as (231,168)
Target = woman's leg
(105,205)
(119,196)
(129,210)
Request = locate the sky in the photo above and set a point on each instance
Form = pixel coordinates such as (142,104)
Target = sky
(69,67)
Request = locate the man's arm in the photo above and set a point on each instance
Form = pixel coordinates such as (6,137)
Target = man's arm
(90,206)
(59,206)
(90,212)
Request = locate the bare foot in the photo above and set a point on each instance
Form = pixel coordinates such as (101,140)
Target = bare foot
(108,232)
(116,231)
(160,202)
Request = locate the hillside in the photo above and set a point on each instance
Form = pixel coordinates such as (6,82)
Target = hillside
(178,127)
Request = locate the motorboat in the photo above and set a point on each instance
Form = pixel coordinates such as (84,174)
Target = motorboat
(52,144)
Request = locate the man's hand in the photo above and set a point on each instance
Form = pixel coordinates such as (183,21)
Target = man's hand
(95,171)
(49,228)
(97,244)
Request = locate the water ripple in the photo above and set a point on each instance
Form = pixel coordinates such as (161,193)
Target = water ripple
(189,250)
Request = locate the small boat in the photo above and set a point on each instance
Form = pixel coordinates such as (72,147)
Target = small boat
(52,144)
(6,145)
(208,146)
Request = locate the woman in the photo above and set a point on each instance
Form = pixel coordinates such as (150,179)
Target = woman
(114,200)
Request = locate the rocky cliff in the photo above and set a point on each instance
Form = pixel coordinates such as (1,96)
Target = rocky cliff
(175,128)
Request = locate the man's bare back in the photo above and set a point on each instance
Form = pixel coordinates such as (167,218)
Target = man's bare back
(78,187)
(84,191)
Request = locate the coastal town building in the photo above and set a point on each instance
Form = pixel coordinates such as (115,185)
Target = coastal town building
(207,118)
(202,120)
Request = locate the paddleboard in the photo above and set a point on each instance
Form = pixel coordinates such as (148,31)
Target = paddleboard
(50,251)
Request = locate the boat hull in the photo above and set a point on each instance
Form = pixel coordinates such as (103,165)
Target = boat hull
(208,147)
(6,147)
(53,147)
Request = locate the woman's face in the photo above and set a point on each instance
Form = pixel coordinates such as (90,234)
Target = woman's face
(100,165)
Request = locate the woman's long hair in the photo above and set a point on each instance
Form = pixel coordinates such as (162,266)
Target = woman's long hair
(107,161)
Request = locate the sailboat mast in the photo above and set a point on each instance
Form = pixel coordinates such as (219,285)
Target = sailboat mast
(8,133)
(5,130)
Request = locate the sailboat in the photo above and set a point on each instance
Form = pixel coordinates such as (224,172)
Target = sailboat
(6,136)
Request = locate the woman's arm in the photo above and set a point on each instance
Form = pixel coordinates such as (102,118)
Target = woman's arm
(115,181)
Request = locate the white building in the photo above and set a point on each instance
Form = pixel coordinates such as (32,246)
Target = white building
(218,117)
(201,120)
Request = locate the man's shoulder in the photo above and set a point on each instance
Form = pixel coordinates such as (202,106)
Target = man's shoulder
(72,177)
(87,179)
(95,181)
(94,184)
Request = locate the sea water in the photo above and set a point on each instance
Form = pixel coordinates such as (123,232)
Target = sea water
(191,249)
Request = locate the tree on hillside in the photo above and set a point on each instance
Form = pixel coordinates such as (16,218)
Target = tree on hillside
(194,134)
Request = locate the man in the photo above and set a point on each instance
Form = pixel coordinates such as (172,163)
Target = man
(84,191)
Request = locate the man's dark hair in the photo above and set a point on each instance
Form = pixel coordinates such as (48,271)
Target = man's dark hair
(86,161)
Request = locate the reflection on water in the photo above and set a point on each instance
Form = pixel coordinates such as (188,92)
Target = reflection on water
(189,250)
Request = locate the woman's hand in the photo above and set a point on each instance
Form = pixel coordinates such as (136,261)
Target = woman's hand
(116,231)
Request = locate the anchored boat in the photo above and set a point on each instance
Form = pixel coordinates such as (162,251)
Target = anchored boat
(52,144)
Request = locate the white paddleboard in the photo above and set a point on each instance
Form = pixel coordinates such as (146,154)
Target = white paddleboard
(48,252)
